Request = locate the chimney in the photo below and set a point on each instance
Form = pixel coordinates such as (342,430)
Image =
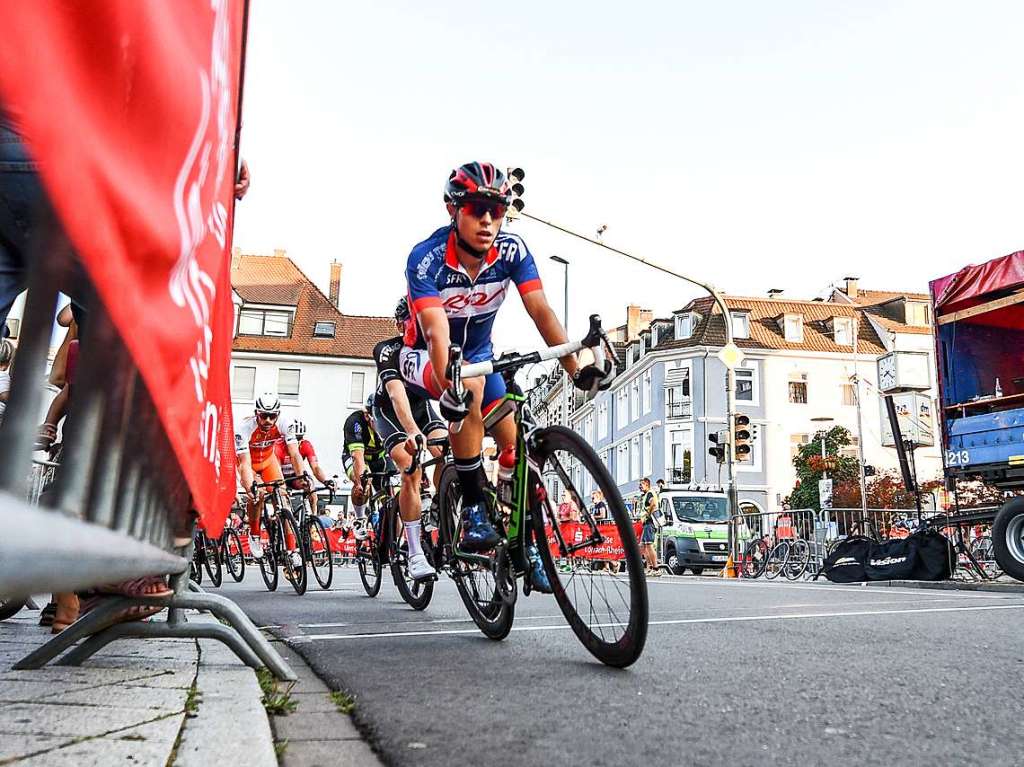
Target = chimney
(335,293)
(637,319)
(280,253)
(236,256)
(851,286)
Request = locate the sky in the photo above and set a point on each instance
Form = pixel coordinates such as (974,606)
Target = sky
(753,145)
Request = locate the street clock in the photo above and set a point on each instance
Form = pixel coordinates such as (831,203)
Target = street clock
(900,371)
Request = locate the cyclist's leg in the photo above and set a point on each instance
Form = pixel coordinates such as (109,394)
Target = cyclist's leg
(272,473)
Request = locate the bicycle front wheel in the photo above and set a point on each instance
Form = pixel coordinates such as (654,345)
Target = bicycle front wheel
(609,615)
(294,561)
(211,561)
(318,548)
(268,564)
(234,557)
(796,562)
(754,558)
(417,594)
(777,559)
(368,562)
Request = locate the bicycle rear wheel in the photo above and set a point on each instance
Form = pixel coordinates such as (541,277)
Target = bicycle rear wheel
(368,562)
(211,561)
(476,583)
(609,615)
(268,563)
(776,561)
(295,573)
(417,594)
(318,549)
(796,562)
(754,558)
(234,557)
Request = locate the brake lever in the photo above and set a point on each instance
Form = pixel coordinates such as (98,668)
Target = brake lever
(415,465)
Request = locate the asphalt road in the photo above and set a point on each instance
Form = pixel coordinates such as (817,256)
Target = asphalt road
(734,672)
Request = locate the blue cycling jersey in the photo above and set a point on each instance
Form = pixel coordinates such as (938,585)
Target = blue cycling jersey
(436,278)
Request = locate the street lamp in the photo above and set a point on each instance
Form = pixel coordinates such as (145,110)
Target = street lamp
(565,323)
(824,470)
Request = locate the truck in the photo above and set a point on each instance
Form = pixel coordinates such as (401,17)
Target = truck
(979,339)
(695,528)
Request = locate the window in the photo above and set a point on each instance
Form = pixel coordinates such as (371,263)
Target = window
(588,428)
(622,463)
(740,324)
(646,392)
(602,420)
(796,441)
(798,388)
(793,325)
(621,407)
(677,395)
(355,389)
(634,458)
(647,466)
(918,313)
(288,384)
(634,399)
(842,330)
(263,322)
(849,393)
(684,325)
(323,330)
(681,456)
(744,385)
(243,383)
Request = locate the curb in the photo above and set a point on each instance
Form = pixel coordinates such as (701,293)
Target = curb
(1005,588)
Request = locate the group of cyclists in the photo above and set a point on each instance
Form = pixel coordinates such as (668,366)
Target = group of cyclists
(457,279)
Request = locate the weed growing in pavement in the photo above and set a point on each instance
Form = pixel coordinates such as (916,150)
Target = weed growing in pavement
(280,746)
(276,702)
(346,703)
(192,701)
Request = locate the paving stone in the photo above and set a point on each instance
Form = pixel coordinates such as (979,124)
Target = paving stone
(123,696)
(329,753)
(314,726)
(315,703)
(74,721)
(13,745)
(144,746)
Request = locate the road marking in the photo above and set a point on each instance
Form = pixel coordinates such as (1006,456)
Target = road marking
(745,583)
(675,622)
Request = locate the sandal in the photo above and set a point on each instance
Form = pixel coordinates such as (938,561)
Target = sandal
(66,612)
(151,586)
(47,614)
(46,436)
(133,613)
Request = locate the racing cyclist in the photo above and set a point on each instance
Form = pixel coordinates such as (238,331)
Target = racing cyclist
(255,438)
(298,480)
(401,417)
(363,450)
(457,280)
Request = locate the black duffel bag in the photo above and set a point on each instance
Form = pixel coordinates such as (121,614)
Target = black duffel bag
(927,555)
(846,562)
(892,560)
(936,556)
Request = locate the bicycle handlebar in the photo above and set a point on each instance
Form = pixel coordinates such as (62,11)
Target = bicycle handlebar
(415,465)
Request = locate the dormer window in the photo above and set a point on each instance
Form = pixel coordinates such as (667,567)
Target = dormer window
(261,321)
(793,328)
(918,313)
(323,330)
(685,324)
(842,331)
(740,324)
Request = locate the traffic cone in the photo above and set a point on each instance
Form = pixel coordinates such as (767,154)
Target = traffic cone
(729,571)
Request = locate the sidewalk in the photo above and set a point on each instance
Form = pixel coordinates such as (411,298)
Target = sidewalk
(162,702)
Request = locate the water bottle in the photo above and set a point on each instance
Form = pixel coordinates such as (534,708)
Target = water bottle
(506,466)
(999,389)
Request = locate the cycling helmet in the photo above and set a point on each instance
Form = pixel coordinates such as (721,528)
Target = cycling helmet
(268,402)
(478,181)
(298,428)
(402,310)
(6,352)
(369,402)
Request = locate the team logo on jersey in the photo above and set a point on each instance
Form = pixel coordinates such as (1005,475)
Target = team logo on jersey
(424,265)
(508,249)
(460,301)
(410,365)
(453,279)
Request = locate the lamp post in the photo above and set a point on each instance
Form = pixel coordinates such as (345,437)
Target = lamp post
(565,324)
(824,472)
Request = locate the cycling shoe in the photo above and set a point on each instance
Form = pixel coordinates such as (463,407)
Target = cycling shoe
(478,534)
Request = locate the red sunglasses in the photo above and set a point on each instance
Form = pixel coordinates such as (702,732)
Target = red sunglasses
(477,208)
(267,416)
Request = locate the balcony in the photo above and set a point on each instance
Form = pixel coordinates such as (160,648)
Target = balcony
(682,409)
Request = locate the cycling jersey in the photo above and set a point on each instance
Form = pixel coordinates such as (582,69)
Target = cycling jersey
(359,435)
(249,438)
(305,450)
(436,278)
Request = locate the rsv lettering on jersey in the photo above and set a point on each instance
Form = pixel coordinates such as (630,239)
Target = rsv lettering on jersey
(478,298)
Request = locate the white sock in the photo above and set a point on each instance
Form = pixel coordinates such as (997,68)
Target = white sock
(359,509)
(412,537)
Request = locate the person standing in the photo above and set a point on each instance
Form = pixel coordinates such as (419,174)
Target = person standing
(648,508)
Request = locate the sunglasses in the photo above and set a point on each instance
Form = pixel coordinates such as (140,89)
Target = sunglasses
(267,416)
(477,208)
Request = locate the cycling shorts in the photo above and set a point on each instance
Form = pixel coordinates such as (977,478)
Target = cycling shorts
(419,376)
(269,469)
(391,431)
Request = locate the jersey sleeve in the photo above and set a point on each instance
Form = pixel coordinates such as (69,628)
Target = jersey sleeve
(385,355)
(287,429)
(354,433)
(524,269)
(280,451)
(243,431)
(420,274)
(306,450)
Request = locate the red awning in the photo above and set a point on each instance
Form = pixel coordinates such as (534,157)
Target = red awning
(972,284)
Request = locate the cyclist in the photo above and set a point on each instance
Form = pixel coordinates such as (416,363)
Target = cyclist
(255,438)
(457,279)
(401,417)
(298,480)
(363,450)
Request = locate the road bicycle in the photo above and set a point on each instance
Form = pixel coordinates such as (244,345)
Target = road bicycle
(608,612)
(231,552)
(205,555)
(315,543)
(281,526)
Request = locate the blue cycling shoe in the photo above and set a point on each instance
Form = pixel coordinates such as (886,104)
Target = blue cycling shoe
(478,534)
(538,575)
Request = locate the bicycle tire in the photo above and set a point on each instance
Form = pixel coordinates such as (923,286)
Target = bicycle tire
(416,594)
(491,614)
(796,562)
(754,558)
(10,607)
(776,561)
(624,651)
(299,574)
(268,562)
(195,567)
(319,560)
(211,552)
(235,562)
(368,564)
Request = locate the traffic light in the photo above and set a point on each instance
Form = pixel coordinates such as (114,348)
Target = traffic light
(719,444)
(515,177)
(741,436)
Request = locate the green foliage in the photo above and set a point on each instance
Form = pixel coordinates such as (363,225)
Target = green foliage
(276,702)
(810,467)
(346,703)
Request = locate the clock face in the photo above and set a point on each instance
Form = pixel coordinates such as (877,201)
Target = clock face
(887,372)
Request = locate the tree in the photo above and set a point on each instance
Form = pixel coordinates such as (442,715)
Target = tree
(885,491)
(811,467)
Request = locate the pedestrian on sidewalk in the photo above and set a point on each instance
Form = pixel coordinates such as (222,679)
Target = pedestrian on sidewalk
(648,509)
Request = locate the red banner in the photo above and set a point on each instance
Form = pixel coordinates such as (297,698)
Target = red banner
(573,533)
(131,108)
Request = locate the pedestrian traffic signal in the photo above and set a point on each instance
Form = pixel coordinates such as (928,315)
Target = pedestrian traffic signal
(741,436)
(719,445)
(515,177)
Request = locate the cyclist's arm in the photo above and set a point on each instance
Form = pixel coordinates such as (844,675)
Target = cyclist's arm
(434,323)
(294,455)
(245,472)
(314,466)
(548,326)
(400,402)
(358,464)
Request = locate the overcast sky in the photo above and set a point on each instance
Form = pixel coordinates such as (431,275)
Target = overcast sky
(757,145)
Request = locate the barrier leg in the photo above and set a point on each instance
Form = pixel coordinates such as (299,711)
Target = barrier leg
(93,621)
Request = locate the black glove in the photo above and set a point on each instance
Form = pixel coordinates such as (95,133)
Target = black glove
(585,377)
(453,407)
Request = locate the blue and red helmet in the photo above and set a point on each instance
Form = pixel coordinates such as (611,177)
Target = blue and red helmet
(477,181)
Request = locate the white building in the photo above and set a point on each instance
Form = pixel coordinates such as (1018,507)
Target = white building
(292,339)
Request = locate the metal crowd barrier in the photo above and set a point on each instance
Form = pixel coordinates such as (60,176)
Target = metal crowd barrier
(118,507)
(775,526)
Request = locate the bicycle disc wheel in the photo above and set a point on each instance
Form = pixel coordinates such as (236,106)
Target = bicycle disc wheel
(776,561)
(754,558)
(318,549)
(268,564)
(233,556)
(476,583)
(211,561)
(609,615)
(417,594)
(295,574)
(796,562)
(195,567)
(368,562)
